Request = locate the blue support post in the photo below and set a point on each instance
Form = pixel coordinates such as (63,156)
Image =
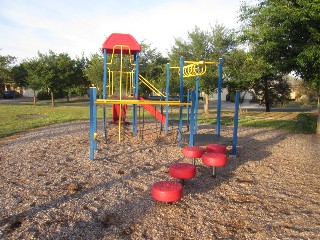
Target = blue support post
(235,124)
(104,93)
(167,98)
(181,100)
(93,121)
(196,105)
(136,95)
(192,119)
(219,97)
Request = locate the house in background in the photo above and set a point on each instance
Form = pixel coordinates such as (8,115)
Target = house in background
(294,84)
(28,92)
(8,85)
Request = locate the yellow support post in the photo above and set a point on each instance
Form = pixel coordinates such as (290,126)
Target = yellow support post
(120,90)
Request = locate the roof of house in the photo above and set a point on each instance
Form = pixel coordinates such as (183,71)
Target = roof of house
(117,41)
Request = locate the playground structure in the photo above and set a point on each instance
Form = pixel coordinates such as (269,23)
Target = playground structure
(125,44)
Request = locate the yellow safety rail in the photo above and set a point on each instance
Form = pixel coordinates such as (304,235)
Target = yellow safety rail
(128,84)
(150,86)
(122,47)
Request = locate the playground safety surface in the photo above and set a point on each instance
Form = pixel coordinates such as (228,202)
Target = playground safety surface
(49,189)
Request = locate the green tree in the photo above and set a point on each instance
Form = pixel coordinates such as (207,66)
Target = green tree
(77,82)
(272,90)
(33,79)
(286,34)
(19,75)
(6,63)
(206,46)
(94,71)
(249,73)
(152,67)
(55,71)
(241,71)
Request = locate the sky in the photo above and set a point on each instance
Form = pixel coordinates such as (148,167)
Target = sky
(80,27)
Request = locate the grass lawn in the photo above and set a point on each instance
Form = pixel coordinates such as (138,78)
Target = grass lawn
(19,118)
(22,117)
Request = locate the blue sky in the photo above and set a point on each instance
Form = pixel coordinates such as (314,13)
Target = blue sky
(76,27)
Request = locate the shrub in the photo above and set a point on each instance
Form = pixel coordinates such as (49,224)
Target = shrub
(305,123)
(43,95)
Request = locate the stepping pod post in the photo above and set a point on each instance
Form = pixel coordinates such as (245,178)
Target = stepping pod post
(193,152)
(214,160)
(182,171)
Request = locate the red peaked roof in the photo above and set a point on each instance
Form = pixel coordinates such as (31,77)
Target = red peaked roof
(125,40)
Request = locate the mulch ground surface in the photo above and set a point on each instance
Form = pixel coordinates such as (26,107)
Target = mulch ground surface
(49,189)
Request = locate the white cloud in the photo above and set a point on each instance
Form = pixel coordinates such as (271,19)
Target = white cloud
(82,26)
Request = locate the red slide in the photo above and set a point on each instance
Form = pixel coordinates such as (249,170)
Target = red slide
(153,111)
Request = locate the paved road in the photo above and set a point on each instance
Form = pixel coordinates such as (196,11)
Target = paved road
(16,100)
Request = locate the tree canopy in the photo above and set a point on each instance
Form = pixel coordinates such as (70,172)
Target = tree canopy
(204,46)
(286,34)
(6,62)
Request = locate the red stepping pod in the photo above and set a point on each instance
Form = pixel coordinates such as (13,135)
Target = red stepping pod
(182,170)
(193,152)
(217,148)
(214,160)
(167,191)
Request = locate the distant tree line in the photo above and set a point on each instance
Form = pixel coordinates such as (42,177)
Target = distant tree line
(276,38)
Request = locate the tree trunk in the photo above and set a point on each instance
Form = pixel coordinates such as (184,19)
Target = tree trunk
(266,95)
(67,93)
(318,121)
(52,99)
(206,104)
(267,106)
(34,98)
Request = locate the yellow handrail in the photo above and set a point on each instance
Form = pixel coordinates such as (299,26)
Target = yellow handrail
(150,86)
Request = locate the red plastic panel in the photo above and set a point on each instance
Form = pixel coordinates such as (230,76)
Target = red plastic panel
(167,191)
(193,152)
(182,170)
(116,112)
(151,109)
(214,159)
(217,148)
(126,40)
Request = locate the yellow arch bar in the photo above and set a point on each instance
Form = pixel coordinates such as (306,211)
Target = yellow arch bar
(122,47)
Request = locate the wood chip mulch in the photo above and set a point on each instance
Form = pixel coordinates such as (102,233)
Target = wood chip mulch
(49,189)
